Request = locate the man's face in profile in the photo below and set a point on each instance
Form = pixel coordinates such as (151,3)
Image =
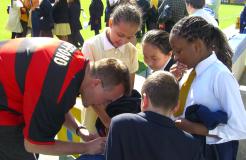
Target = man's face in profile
(98,95)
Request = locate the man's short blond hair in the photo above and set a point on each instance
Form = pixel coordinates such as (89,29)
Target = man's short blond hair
(112,72)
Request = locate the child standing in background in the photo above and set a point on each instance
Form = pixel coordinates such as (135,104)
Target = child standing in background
(61,20)
(115,42)
(46,21)
(24,19)
(203,47)
(243,20)
(157,51)
(96,12)
(74,8)
(14,23)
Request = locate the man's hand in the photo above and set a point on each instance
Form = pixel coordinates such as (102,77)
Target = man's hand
(86,135)
(96,146)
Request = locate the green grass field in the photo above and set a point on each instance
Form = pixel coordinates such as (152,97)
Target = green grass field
(227,16)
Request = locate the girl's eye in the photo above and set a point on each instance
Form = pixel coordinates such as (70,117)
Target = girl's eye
(120,35)
(130,37)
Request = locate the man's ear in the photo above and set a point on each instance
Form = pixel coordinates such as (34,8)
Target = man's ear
(170,53)
(95,82)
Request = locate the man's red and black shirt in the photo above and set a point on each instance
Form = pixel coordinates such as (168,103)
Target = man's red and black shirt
(39,81)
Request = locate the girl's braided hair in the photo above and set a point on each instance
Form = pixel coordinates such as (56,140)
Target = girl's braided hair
(192,28)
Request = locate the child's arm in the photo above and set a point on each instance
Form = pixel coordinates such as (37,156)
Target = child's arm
(101,112)
(191,127)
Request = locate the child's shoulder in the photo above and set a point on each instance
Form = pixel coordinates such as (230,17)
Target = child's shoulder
(95,39)
(131,47)
(124,118)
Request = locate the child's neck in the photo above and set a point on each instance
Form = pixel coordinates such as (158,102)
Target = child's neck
(160,111)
